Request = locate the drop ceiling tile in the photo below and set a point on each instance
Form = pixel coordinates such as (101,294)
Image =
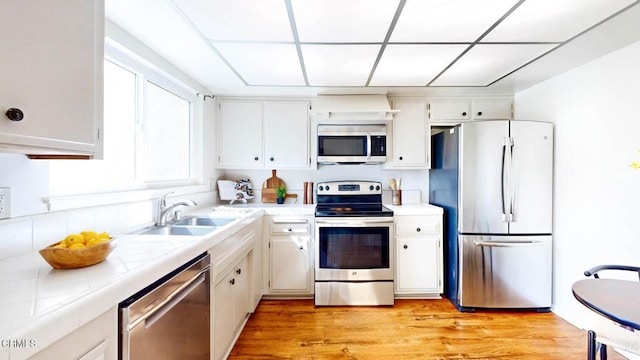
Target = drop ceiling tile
(343,21)
(448,20)
(264,64)
(413,65)
(239,20)
(339,65)
(553,20)
(484,64)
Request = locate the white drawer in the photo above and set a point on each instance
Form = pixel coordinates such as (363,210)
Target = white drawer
(418,225)
(290,228)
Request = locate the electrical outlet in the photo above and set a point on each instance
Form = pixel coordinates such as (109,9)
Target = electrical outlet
(5,202)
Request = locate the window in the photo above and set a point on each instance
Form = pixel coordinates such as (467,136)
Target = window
(148,122)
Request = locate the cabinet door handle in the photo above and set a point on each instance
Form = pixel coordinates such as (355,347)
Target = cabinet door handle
(14,114)
(418,229)
(301,247)
(405,246)
(289,229)
(256,158)
(239,271)
(479,113)
(271,158)
(464,113)
(232,281)
(400,157)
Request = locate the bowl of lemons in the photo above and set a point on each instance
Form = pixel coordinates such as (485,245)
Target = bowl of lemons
(78,250)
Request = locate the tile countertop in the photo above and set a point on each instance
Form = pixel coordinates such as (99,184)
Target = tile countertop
(42,304)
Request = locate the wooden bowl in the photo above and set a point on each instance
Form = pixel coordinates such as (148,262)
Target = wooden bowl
(76,258)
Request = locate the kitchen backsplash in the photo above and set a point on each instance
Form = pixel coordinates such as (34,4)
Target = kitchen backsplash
(27,234)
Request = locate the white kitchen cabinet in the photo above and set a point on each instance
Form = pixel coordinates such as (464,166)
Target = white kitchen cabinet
(286,134)
(263,134)
(410,135)
(492,109)
(419,257)
(96,340)
(448,112)
(231,301)
(452,112)
(288,256)
(240,134)
(52,71)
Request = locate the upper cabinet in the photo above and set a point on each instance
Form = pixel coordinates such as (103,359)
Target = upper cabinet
(455,111)
(492,109)
(449,111)
(410,135)
(263,134)
(51,93)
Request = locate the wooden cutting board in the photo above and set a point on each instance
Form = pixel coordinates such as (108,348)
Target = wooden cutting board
(273,182)
(269,188)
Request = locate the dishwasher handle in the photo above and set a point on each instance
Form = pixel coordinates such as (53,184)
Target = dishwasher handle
(155,313)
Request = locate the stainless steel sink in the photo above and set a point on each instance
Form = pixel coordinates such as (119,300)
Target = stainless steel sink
(179,230)
(203,221)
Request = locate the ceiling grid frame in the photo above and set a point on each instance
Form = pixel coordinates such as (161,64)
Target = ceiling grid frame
(303,70)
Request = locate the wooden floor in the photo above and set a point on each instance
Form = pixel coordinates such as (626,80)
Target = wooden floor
(411,329)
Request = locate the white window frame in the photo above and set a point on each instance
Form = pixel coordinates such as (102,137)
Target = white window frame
(140,191)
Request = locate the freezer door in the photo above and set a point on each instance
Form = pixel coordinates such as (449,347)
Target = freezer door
(481,169)
(505,271)
(532,179)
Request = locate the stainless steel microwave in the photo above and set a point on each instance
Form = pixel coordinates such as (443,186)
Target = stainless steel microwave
(352,144)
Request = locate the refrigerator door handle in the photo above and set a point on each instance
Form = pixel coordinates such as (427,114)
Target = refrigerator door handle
(513,179)
(505,182)
(507,243)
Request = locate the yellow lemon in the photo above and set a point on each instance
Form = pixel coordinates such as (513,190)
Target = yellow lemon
(74,239)
(88,235)
(60,246)
(95,241)
(104,235)
(77,246)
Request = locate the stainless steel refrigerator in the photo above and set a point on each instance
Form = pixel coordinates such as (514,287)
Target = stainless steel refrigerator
(494,180)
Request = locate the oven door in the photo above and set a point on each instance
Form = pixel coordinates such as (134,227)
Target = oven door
(354,249)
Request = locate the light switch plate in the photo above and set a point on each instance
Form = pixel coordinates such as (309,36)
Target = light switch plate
(5,202)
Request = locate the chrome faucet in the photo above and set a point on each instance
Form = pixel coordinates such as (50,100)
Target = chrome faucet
(164,210)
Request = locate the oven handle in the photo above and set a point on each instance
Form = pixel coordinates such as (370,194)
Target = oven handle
(354,222)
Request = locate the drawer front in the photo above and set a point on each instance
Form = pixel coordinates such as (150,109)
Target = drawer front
(289,228)
(417,225)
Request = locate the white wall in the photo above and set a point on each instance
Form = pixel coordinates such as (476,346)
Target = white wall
(596,112)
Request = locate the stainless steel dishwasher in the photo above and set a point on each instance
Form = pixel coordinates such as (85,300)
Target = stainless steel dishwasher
(169,319)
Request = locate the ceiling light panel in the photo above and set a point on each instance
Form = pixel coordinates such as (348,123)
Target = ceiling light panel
(553,20)
(484,64)
(413,65)
(339,65)
(264,64)
(343,21)
(239,20)
(448,20)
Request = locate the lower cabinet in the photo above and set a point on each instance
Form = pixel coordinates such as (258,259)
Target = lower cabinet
(96,340)
(230,306)
(288,256)
(236,285)
(419,259)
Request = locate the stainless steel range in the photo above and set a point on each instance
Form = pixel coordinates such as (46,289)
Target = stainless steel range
(354,245)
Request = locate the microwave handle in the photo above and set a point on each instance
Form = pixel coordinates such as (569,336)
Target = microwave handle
(368,146)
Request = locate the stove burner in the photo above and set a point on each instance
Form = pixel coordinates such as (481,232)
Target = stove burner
(351,199)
